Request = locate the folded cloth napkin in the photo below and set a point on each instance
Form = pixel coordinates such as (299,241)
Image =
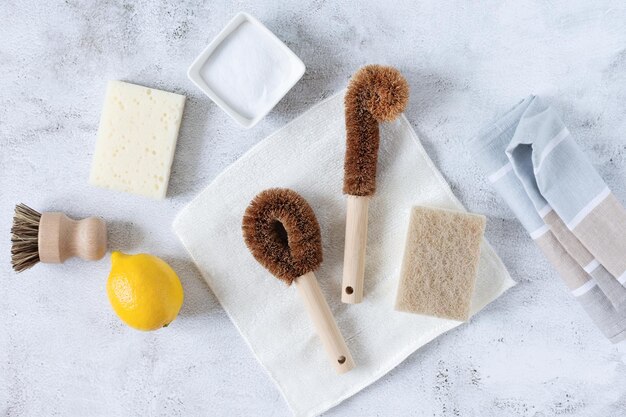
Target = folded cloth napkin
(307,156)
(563,203)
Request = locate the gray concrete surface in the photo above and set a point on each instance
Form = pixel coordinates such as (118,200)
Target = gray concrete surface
(64,352)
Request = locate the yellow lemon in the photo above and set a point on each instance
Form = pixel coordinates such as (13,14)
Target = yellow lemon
(144,290)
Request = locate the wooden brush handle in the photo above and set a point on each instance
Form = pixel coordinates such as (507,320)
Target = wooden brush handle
(324,323)
(61,237)
(354,251)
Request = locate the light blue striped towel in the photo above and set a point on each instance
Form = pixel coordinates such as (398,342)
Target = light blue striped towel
(531,159)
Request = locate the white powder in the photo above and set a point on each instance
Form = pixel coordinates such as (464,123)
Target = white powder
(248,70)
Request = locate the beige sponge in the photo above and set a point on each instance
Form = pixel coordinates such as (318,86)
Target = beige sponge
(440,263)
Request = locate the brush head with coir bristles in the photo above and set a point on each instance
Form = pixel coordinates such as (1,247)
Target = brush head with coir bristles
(25,238)
(282,232)
(375,94)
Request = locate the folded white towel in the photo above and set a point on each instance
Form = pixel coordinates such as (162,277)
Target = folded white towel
(307,156)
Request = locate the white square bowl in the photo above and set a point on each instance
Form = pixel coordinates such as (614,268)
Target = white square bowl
(295,65)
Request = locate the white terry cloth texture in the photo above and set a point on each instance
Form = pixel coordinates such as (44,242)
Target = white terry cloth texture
(307,155)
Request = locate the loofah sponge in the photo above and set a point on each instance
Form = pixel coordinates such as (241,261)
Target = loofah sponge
(440,263)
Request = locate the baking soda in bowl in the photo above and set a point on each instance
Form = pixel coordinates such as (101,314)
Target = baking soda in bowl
(246,70)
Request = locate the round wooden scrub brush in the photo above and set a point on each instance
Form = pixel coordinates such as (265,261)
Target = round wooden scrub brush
(375,94)
(54,237)
(281,231)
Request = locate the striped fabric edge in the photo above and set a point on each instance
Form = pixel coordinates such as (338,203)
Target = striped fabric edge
(553,143)
(591,266)
(585,288)
(540,232)
(547,209)
(495,176)
(588,208)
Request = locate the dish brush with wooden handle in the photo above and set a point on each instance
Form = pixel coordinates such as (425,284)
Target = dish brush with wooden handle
(53,237)
(282,232)
(375,94)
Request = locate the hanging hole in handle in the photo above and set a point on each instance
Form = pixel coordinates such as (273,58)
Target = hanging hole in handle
(349,290)
(341,360)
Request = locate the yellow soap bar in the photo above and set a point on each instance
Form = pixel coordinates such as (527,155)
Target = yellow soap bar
(136,139)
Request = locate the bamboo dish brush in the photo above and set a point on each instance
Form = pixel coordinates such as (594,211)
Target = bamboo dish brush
(282,232)
(54,237)
(375,94)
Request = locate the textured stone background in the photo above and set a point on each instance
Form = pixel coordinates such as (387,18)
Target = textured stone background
(63,351)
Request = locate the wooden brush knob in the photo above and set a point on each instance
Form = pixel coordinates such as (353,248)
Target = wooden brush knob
(61,237)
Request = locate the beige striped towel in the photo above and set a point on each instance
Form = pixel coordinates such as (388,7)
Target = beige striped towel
(563,203)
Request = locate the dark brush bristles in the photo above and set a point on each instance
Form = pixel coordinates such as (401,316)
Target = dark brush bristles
(282,232)
(24,238)
(375,94)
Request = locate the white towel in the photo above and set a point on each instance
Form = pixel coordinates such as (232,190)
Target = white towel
(307,156)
